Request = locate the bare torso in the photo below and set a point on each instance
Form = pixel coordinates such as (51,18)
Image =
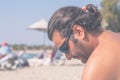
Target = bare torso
(104,62)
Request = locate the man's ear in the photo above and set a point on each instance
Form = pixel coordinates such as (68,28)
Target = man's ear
(78,31)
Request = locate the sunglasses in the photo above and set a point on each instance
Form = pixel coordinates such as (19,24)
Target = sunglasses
(64,47)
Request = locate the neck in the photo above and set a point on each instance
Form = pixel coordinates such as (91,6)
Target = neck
(95,37)
(94,41)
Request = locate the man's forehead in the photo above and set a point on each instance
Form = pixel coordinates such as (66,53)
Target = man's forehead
(55,34)
(57,39)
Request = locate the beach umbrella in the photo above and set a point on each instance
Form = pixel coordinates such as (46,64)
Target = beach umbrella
(40,25)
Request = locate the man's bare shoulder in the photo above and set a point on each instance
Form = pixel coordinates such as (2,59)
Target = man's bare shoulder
(102,65)
(104,62)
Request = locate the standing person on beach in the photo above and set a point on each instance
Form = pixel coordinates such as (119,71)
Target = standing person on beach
(78,33)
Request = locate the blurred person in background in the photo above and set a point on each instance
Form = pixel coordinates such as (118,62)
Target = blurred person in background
(4,50)
(59,58)
(78,33)
(6,56)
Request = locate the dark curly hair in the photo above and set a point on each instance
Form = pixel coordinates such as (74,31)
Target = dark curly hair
(88,17)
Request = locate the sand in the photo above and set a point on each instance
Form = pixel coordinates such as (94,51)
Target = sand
(72,70)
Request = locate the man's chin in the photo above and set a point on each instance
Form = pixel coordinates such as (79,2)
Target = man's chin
(83,60)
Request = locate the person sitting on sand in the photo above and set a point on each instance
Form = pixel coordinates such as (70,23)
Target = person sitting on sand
(4,50)
(6,55)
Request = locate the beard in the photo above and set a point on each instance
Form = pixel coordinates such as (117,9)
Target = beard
(80,51)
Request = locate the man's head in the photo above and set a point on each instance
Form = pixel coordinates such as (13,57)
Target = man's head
(69,29)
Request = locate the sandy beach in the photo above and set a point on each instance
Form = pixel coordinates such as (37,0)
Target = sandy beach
(70,71)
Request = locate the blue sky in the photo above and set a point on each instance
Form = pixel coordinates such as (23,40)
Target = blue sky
(17,15)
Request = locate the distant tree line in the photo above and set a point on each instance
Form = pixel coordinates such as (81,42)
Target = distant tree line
(29,47)
(111,14)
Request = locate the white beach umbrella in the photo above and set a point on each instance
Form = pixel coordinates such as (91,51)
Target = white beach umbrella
(39,25)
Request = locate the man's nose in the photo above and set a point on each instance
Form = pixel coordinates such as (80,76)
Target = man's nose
(68,56)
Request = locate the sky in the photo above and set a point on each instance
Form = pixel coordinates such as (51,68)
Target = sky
(17,15)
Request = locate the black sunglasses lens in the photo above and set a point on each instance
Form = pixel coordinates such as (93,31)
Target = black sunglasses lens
(64,48)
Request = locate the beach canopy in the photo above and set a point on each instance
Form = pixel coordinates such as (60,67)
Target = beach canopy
(39,25)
